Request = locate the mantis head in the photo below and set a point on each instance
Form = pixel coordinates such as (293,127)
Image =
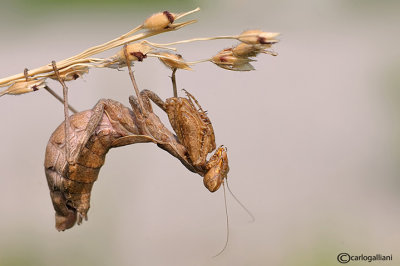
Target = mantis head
(217,169)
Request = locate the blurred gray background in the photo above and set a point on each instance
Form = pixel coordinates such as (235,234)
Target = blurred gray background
(313,137)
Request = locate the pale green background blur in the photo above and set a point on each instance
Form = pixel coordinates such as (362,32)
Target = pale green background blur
(313,137)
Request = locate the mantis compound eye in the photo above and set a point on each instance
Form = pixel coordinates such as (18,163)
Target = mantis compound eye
(218,169)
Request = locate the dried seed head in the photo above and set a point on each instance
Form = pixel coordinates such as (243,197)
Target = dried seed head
(245,50)
(227,60)
(173,61)
(21,87)
(258,37)
(159,21)
(136,52)
(251,50)
(72,73)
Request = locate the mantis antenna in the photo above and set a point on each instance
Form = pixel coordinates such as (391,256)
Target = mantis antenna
(240,203)
(227,217)
(227,224)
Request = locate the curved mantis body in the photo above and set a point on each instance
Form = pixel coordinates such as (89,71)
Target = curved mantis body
(92,133)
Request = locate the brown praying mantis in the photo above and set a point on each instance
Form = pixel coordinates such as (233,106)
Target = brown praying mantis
(90,134)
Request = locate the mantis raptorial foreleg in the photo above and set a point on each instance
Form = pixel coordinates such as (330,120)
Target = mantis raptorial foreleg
(94,120)
(148,94)
(154,128)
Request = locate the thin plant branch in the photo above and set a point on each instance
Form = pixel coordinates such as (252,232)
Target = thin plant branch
(58,97)
(194,40)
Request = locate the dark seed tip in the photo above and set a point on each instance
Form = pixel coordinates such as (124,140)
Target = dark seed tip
(139,55)
(169,16)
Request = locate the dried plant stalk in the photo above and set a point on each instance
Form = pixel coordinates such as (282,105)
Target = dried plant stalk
(237,58)
(82,57)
